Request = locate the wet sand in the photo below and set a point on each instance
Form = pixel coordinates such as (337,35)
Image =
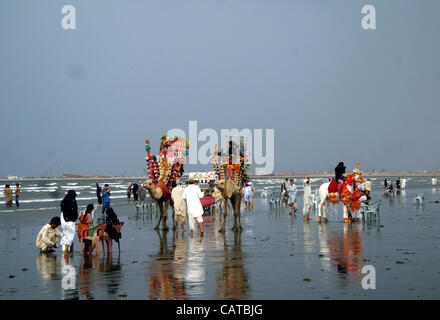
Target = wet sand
(276,256)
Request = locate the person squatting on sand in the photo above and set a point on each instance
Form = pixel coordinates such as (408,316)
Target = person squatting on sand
(69,215)
(307,199)
(292,191)
(85,220)
(179,206)
(48,236)
(192,195)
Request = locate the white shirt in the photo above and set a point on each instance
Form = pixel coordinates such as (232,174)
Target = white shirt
(308,196)
(179,203)
(248,191)
(192,195)
(292,189)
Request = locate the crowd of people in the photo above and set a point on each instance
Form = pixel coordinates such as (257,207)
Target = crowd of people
(49,234)
(187,208)
(289,191)
(390,188)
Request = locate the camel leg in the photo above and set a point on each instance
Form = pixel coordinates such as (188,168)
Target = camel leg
(239,215)
(237,222)
(173,216)
(165,214)
(234,208)
(225,215)
(160,217)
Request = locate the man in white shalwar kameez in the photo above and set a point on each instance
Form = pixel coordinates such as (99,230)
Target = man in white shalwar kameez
(308,199)
(179,206)
(194,209)
(292,191)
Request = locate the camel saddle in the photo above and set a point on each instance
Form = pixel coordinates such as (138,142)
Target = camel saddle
(166,193)
(333,187)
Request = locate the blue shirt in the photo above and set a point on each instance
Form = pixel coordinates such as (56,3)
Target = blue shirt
(105,196)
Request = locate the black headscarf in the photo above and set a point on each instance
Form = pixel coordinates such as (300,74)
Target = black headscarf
(111,219)
(339,171)
(111,216)
(69,207)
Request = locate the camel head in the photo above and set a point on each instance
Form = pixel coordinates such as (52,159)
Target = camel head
(155,193)
(226,187)
(357,176)
(149,184)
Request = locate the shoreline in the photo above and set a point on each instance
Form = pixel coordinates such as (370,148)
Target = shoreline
(137,178)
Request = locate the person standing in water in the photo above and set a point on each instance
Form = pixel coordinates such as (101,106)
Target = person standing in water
(69,215)
(368,185)
(135,190)
(98,193)
(284,187)
(292,191)
(105,197)
(403,185)
(194,209)
(179,206)
(17,194)
(248,194)
(308,199)
(129,191)
(8,196)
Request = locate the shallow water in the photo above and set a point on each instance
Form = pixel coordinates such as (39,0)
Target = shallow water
(276,256)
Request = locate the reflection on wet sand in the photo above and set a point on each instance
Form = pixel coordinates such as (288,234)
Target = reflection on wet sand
(324,247)
(48,266)
(166,277)
(345,249)
(105,267)
(195,274)
(232,281)
(309,244)
(68,280)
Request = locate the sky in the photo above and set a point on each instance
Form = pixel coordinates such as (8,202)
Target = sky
(85,100)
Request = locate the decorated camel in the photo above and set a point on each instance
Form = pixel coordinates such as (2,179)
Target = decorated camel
(230,191)
(230,180)
(164,170)
(349,195)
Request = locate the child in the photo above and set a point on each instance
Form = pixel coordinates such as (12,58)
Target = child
(85,220)
(48,236)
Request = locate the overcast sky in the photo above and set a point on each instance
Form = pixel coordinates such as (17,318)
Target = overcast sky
(84,100)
